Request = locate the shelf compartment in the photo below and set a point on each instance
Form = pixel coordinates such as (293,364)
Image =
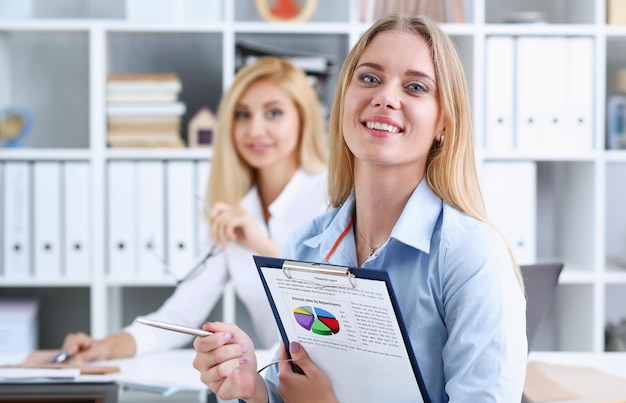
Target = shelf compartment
(615,220)
(615,318)
(326,11)
(569,323)
(554,12)
(565,213)
(47,74)
(61,310)
(197,58)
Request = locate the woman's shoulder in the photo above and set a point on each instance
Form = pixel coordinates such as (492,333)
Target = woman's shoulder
(460,230)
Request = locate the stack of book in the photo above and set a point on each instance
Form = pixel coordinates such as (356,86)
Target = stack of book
(143,110)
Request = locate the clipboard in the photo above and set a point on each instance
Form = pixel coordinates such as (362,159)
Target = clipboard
(349,322)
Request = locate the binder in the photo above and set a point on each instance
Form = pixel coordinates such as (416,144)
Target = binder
(181,216)
(581,79)
(47,219)
(510,195)
(554,87)
(499,80)
(150,209)
(76,216)
(17,219)
(203,170)
(341,315)
(530,95)
(121,235)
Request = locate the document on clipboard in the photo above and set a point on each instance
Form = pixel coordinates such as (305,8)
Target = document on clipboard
(348,321)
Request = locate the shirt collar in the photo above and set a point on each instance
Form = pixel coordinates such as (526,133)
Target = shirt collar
(414,227)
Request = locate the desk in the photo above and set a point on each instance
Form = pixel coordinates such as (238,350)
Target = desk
(158,377)
(576,377)
(79,392)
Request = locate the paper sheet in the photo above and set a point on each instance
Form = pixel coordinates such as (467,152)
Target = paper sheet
(352,334)
(17,374)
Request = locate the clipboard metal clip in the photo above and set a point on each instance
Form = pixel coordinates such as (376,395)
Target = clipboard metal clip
(320,275)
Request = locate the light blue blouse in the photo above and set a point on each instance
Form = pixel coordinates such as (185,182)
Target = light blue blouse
(462,304)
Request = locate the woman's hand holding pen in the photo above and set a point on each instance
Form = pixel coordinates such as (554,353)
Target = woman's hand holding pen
(80,347)
(227,363)
(294,386)
(234,224)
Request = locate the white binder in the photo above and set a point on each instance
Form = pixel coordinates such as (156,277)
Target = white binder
(17,219)
(150,209)
(581,79)
(499,80)
(509,190)
(554,88)
(203,170)
(181,213)
(530,94)
(122,256)
(77,214)
(47,219)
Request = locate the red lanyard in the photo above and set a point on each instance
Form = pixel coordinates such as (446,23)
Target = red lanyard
(338,241)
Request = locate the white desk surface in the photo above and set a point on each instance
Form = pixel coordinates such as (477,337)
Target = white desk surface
(613,363)
(163,372)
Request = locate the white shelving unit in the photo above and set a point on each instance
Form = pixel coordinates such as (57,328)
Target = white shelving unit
(56,66)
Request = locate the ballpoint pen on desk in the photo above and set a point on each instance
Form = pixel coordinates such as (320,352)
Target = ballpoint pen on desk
(60,358)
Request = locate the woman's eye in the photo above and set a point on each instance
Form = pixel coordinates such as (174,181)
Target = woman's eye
(273,113)
(417,87)
(368,79)
(241,115)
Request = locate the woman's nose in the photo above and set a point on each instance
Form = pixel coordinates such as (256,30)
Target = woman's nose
(256,126)
(387,97)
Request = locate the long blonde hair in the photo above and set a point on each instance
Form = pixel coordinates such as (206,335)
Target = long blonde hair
(450,168)
(231,177)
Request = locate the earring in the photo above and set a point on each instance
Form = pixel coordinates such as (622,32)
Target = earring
(439,142)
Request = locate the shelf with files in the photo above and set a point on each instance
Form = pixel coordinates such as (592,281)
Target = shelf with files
(576,195)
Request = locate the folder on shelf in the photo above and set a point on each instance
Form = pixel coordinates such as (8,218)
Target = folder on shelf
(122,228)
(47,219)
(77,220)
(554,88)
(17,219)
(151,218)
(203,170)
(499,79)
(530,95)
(509,190)
(581,79)
(181,216)
(345,318)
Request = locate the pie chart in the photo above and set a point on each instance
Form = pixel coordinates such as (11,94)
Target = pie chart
(316,320)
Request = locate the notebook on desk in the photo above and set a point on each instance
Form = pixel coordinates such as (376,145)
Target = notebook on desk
(540,281)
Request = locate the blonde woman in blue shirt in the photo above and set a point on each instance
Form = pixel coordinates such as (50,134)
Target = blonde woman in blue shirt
(406,197)
(268,176)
